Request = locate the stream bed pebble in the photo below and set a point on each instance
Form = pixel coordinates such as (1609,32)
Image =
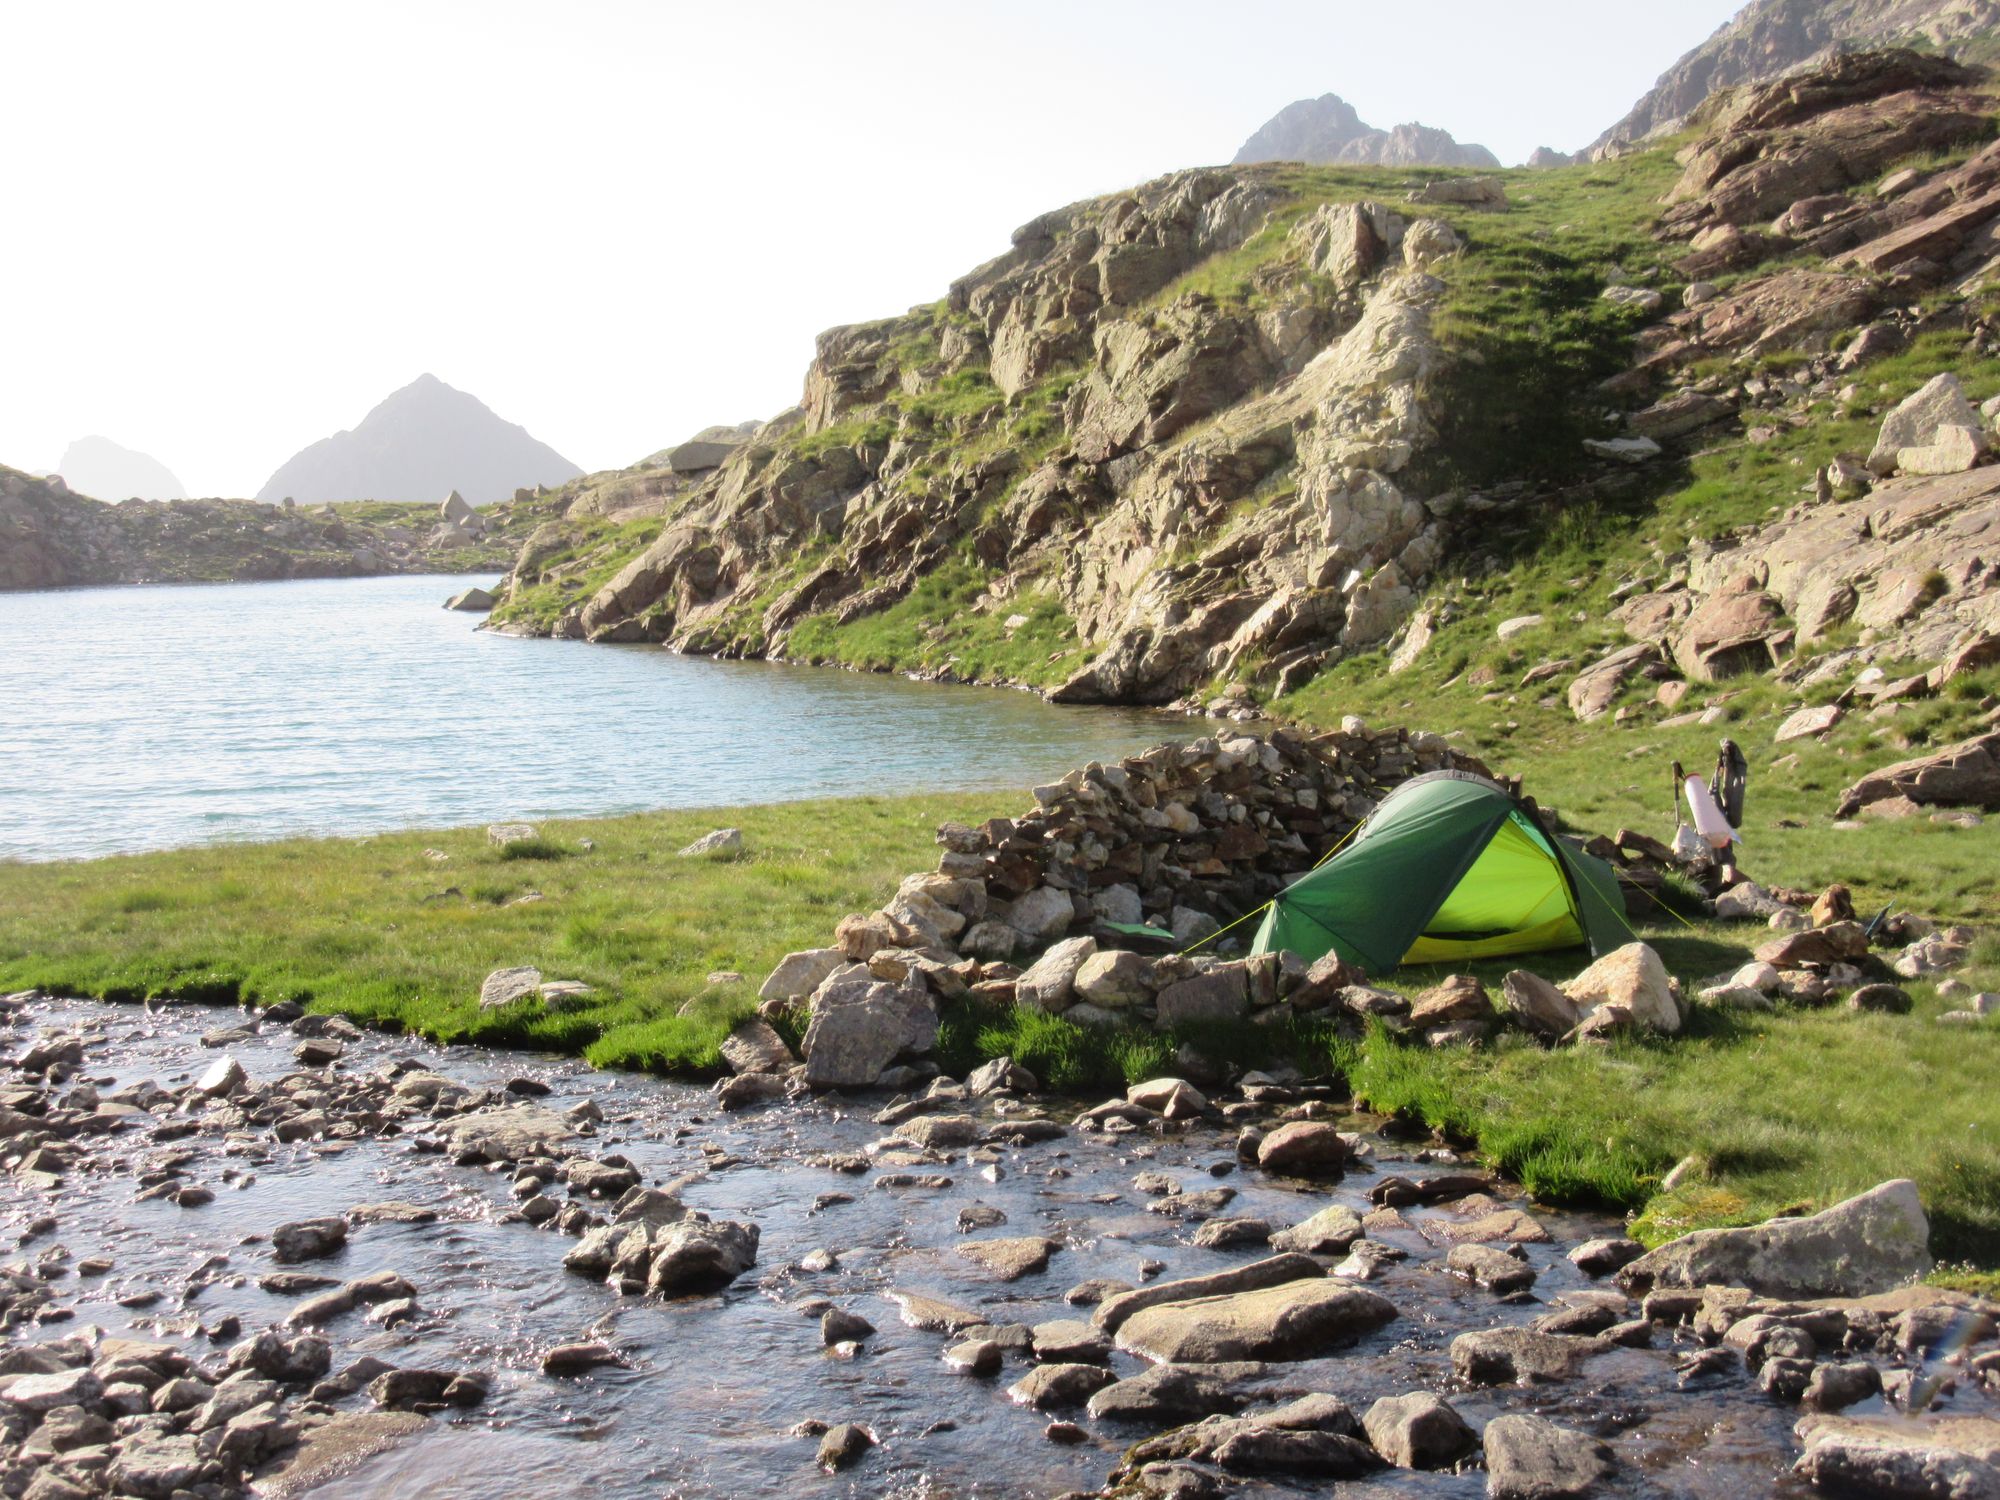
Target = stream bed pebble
(378,1268)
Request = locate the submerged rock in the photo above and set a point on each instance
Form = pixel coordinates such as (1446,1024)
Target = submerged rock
(1297,1320)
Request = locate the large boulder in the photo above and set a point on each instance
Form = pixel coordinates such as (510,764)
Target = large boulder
(1114,979)
(1538,1005)
(1297,1320)
(799,974)
(1870,1243)
(1726,634)
(1633,977)
(1304,1148)
(701,1255)
(860,1026)
(1916,421)
(1049,983)
(1221,994)
(505,986)
(1965,774)
(753,1047)
(1331,1231)
(1042,914)
(1419,1431)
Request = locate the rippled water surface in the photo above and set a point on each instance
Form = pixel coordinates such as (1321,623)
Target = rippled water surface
(153,717)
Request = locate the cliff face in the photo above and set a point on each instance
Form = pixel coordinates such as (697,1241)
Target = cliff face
(423,441)
(1771,37)
(50,538)
(1327,130)
(1079,436)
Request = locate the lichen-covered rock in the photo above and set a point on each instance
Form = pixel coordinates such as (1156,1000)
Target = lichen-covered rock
(1873,1242)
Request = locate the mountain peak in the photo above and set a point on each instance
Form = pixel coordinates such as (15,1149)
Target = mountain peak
(1328,129)
(1768,38)
(418,442)
(105,470)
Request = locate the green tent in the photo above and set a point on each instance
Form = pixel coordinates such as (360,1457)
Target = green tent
(1448,868)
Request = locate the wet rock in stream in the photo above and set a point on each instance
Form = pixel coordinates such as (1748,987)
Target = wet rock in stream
(368,1303)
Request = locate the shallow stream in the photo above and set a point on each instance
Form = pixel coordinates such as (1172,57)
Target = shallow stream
(718,1383)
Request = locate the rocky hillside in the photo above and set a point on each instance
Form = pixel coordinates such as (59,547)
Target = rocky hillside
(1327,131)
(50,538)
(1768,38)
(1237,432)
(422,441)
(1181,433)
(110,471)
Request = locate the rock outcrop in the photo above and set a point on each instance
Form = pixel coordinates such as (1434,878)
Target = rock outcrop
(1212,436)
(1768,38)
(1327,130)
(1199,489)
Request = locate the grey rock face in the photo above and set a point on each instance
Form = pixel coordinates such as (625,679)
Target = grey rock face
(1769,38)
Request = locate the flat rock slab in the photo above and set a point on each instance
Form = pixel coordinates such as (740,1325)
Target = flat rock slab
(1870,1243)
(1506,1356)
(1329,1232)
(336,1446)
(1296,1320)
(1503,1226)
(1530,1459)
(1976,1437)
(1272,1271)
(1010,1259)
(512,1132)
(391,1211)
(935,1315)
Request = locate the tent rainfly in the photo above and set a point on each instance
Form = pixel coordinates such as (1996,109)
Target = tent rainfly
(1449,867)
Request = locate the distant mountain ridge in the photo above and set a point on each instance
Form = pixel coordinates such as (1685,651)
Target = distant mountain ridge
(110,471)
(1328,130)
(1768,38)
(420,443)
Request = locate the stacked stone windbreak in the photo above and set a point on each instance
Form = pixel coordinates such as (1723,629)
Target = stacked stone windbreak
(1184,838)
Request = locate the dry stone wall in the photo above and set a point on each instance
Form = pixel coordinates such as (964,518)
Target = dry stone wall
(1029,910)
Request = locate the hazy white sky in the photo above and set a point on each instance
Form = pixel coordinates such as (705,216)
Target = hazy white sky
(233,228)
